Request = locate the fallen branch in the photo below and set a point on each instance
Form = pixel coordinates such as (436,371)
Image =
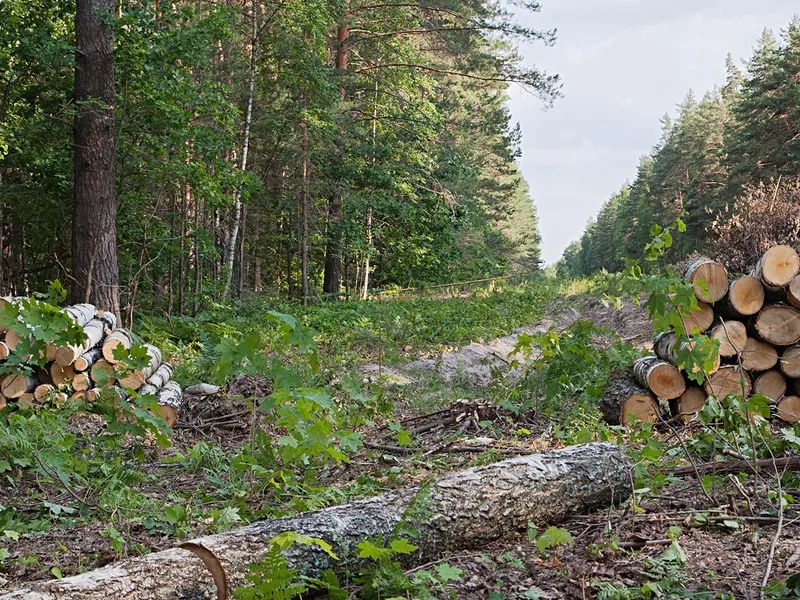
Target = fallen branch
(462,510)
(788,463)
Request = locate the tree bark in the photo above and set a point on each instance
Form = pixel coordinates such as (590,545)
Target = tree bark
(466,509)
(704,272)
(623,400)
(659,376)
(95,275)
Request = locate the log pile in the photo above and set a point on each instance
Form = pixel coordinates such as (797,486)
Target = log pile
(83,370)
(755,318)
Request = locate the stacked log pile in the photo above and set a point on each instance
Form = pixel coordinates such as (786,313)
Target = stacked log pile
(82,371)
(755,318)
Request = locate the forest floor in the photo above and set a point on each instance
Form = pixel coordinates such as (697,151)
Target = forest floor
(455,417)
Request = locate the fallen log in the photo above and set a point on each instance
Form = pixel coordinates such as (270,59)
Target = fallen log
(788,409)
(169,401)
(623,400)
(103,369)
(777,267)
(18,384)
(118,337)
(788,463)
(758,355)
(700,319)
(793,292)
(732,336)
(771,384)
(136,378)
(707,273)
(745,298)
(790,362)
(61,375)
(94,330)
(85,361)
(462,510)
(779,325)
(81,314)
(729,380)
(161,376)
(659,376)
(688,404)
(666,346)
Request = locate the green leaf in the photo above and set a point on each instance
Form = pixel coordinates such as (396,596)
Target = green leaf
(447,573)
(402,546)
(369,550)
(11,534)
(56,573)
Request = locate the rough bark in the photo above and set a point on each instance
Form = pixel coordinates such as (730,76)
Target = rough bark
(659,376)
(95,276)
(689,403)
(666,347)
(771,384)
(777,267)
(729,379)
(732,336)
(745,298)
(463,510)
(758,355)
(779,325)
(790,362)
(81,314)
(623,400)
(707,273)
(94,330)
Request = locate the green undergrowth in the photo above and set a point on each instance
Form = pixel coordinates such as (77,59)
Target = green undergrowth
(348,333)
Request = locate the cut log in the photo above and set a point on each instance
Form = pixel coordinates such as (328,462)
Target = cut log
(777,267)
(463,510)
(623,401)
(729,379)
(3,402)
(745,298)
(12,340)
(85,361)
(202,389)
(137,378)
(793,292)
(82,382)
(790,362)
(161,376)
(704,272)
(101,369)
(771,384)
(94,330)
(169,401)
(17,384)
(51,352)
(26,399)
(732,336)
(689,403)
(61,375)
(42,392)
(788,409)
(4,351)
(666,348)
(700,319)
(659,376)
(43,374)
(779,325)
(758,355)
(81,314)
(118,337)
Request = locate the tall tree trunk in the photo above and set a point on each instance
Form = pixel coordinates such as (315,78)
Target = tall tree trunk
(237,208)
(241,253)
(171,276)
(333,251)
(197,262)
(94,215)
(304,215)
(182,259)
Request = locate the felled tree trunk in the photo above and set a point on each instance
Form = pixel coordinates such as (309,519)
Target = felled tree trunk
(623,400)
(705,273)
(659,376)
(169,401)
(732,336)
(745,297)
(790,362)
(771,384)
(728,380)
(136,379)
(777,267)
(463,510)
(788,409)
(758,355)
(779,325)
(689,403)
(118,337)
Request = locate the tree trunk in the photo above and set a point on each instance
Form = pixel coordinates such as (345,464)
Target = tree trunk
(170,399)
(659,376)
(779,325)
(95,275)
(138,377)
(771,384)
(745,298)
(666,347)
(16,385)
(758,355)
(790,362)
(732,336)
(702,318)
(777,267)
(464,510)
(730,379)
(85,361)
(237,200)
(304,215)
(705,273)
(118,337)
(788,409)
(688,404)
(623,400)
(793,292)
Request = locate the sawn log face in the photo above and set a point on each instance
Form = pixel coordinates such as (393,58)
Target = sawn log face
(467,509)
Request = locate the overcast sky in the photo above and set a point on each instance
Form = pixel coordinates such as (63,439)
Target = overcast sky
(624,64)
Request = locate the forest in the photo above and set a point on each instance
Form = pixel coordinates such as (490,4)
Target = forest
(274,322)
(727,160)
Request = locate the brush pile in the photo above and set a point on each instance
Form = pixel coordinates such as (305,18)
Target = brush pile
(83,370)
(756,319)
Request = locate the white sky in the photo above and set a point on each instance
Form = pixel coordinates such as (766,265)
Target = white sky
(624,64)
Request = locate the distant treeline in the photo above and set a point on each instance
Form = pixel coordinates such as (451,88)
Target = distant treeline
(730,160)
